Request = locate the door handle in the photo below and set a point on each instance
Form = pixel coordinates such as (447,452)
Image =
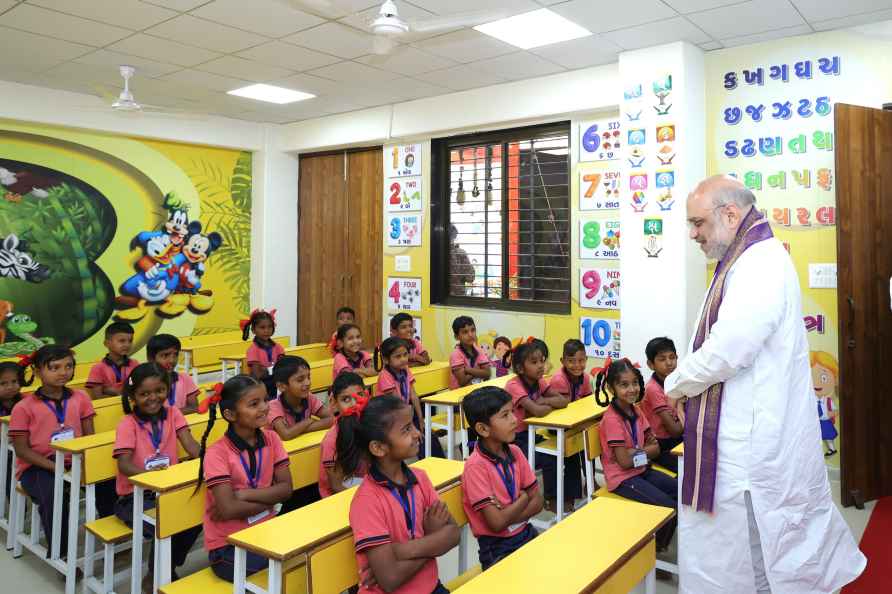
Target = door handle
(851,342)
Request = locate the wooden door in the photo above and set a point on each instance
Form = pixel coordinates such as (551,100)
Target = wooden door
(864,224)
(340,243)
(365,241)
(322,252)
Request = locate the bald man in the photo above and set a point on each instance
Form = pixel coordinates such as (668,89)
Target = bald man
(756,513)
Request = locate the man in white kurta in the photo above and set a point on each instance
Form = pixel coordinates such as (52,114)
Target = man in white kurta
(774,526)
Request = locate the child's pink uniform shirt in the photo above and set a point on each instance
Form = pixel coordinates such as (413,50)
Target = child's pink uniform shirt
(106,373)
(458,360)
(277,410)
(184,386)
(134,436)
(518,391)
(481,481)
(389,384)
(328,460)
(563,385)
(654,402)
(222,465)
(34,417)
(341,363)
(264,357)
(616,431)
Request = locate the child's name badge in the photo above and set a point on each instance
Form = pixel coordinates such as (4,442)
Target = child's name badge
(639,459)
(514,527)
(269,369)
(62,434)
(477,380)
(157,462)
(353,481)
(259,516)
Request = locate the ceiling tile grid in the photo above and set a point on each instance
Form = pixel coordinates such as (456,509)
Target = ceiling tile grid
(189,53)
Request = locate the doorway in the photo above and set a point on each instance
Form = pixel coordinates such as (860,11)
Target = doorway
(340,243)
(864,224)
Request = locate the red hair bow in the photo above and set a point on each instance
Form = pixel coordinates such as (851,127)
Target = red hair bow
(607,363)
(246,322)
(214,398)
(356,410)
(530,339)
(26,360)
(333,343)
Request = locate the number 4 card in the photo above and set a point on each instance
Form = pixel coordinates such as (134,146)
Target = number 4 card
(404,294)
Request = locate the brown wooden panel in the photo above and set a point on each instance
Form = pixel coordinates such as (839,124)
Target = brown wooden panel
(864,224)
(365,240)
(322,250)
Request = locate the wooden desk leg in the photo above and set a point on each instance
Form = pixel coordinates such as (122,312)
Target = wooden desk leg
(73,521)
(450,433)
(274,578)
(58,486)
(560,475)
(531,447)
(239,570)
(4,472)
(136,548)
(428,428)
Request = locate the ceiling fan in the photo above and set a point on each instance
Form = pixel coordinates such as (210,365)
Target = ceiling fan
(389,27)
(125,102)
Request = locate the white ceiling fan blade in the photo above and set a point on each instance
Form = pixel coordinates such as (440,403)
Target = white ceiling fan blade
(455,21)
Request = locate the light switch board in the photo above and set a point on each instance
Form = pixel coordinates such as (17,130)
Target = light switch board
(404,264)
(822,276)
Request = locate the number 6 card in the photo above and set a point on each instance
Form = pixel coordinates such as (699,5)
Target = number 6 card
(600,140)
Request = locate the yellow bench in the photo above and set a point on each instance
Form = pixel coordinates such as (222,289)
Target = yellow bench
(288,539)
(204,356)
(316,351)
(555,561)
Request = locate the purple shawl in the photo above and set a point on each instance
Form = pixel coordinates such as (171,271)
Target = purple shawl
(702,412)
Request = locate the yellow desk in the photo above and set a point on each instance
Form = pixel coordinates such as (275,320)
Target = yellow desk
(451,399)
(678,450)
(569,423)
(213,349)
(316,351)
(173,489)
(555,561)
(291,535)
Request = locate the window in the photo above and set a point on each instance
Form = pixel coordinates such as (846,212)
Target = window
(501,219)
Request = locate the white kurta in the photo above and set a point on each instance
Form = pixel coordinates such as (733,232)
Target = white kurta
(769,443)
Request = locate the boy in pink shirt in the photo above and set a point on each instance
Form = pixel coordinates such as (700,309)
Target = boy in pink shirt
(571,381)
(499,489)
(469,363)
(108,376)
(164,349)
(662,417)
(403,326)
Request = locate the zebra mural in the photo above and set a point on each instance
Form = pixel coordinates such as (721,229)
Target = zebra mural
(17,263)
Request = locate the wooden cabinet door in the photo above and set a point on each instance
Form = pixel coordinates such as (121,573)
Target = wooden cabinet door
(365,241)
(864,225)
(322,248)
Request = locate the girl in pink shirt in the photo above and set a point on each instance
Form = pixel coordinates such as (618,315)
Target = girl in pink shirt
(348,353)
(52,413)
(11,380)
(164,349)
(246,471)
(146,439)
(531,396)
(395,378)
(399,524)
(571,381)
(264,351)
(333,476)
(627,444)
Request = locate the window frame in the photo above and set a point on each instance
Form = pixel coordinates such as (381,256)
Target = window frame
(440,216)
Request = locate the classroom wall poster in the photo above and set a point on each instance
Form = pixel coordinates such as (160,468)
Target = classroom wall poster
(402,194)
(106,228)
(404,230)
(601,337)
(402,160)
(600,140)
(599,288)
(599,239)
(404,294)
(599,190)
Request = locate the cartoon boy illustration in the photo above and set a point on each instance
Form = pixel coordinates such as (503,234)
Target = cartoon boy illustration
(825,377)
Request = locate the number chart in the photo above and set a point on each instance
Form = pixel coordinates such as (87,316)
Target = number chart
(599,239)
(404,230)
(601,337)
(599,288)
(599,190)
(600,140)
(404,294)
(402,194)
(402,160)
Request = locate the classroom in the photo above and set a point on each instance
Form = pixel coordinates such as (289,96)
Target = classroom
(412,295)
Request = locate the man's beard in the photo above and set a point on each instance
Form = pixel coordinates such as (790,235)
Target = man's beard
(718,251)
